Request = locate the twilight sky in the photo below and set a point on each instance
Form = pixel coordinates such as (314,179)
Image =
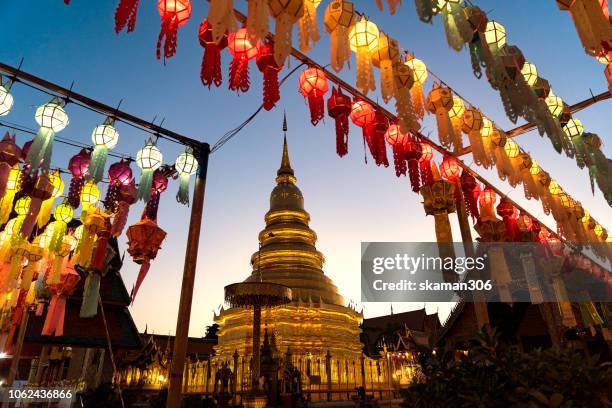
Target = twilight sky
(349,201)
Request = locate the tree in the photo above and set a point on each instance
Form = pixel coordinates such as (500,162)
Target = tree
(211,331)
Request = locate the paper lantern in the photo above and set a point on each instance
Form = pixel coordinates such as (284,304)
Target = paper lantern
(93,221)
(339,108)
(362,113)
(403,80)
(472,124)
(144,240)
(573,128)
(285,13)
(63,214)
(119,174)
(363,38)
(495,35)
(554,188)
(12,186)
(555,104)
(149,159)
(535,168)
(174,14)
(339,18)
(419,71)
(243,51)
(425,164)
(266,63)
(413,152)
(471,191)
(313,85)
(52,118)
(210,69)
(395,138)
(456,117)
(104,138)
(487,127)
(385,57)
(47,205)
(308,27)
(125,15)
(90,195)
(10,154)
(486,200)
(125,198)
(511,148)
(79,168)
(449,169)
(54,321)
(158,186)
(374,133)
(6,99)
(441,102)
(530,73)
(186,165)
(43,190)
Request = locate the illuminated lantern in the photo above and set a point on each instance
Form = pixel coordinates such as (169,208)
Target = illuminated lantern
(210,70)
(47,205)
(541,88)
(395,138)
(52,118)
(63,214)
(509,214)
(119,174)
(313,85)
(243,51)
(403,80)
(149,159)
(79,168)
(471,192)
(592,21)
(555,104)
(511,149)
(13,227)
(43,190)
(339,18)
(286,13)
(487,201)
(159,185)
(34,257)
(54,321)
(530,73)
(308,25)
(449,169)
(339,108)
(266,63)
(385,56)
(95,266)
(125,198)
(104,138)
(495,35)
(425,164)
(362,113)
(10,154)
(554,188)
(6,99)
(472,125)
(144,240)
(90,195)
(363,38)
(456,117)
(186,165)
(174,13)
(573,128)
(441,102)
(12,186)
(419,72)
(375,138)
(93,221)
(18,250)
(413,152)
(125,14)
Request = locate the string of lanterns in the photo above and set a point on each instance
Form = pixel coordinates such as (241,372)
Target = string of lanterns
(45,251)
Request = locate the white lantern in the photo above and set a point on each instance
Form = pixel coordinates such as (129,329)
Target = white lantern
(495,34)
(105,135)
(52,116)
(149,157)
(6,101)
(186,163)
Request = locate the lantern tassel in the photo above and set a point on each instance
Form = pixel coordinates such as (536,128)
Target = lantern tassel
(340,48)
(413,175)
(91,290)
(271,88)
(342,130)
(399,159)
(98,161)
(45,212)
(317,107)
(210,72)
(183,193)
(54,322)
(56,269)
(144,269)
(74,191)
(365,73)
(144,187)
(40,151)
(426,173)
(239,74)
(168,34)
(125,14)
(120,219)
(59,230)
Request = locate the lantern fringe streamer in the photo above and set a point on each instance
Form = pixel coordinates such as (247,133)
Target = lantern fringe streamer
(426,173)
(57,238)
(168,34)
(6,206)
(425,10)
(414,175)
(533,286)
(39,155)
(340,49)
(239,74)
(30,219)
(210,71)
(74,191)
(365,73)
(97,163)
(399,159)
(120,219)
(91,291)
(45,212)
(125,14)
(257,20)
(308,27)
(271,88)
(144,269)
(457,28)
(183,192)
(282,39)
(221,18)
(317,106)
(54,322)
(144,186)
(5,171)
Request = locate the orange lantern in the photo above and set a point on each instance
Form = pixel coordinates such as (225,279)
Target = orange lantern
(362,113)
(449,169)
(487,201)
(243,51)
(313,85)
(174,13)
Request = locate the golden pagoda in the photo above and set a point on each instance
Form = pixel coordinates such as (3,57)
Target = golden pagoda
(316,324)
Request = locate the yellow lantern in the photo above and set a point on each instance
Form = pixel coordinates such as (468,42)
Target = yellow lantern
(565,200)
(458,108)
(573,128)
(555,104)
(89,195)
(419,72)
(22,206)
(6,202)
(495,35)
(530,73)
(535,168)
(456,114)
(363,38)
(511,148)
(6,100)
(45,209)
(554,188)
(487,127)
(598,230)
(586,217)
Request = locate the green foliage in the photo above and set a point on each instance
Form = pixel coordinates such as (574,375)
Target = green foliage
(492,375)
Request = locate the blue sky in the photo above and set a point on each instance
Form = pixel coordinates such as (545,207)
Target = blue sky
(349,201)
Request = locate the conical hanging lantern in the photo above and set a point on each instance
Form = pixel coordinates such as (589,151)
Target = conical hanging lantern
(257,20)
(363,38)
(125,15)
(456,117)
(286,13)
(186,165)
(472,124)
(47,205)
(79,168)
(43,190)
(6,99)
(210,70)
(174,14)
(266,63)
(419,70)
(12,229)
(243,51)
(149,159)
(52,118)
(403,80)
(125,198)
(339,18)
(308,26)
(54,321)
(313,85)
(339,108)
(385,57)
(104,138)
(440,102)
(10,155)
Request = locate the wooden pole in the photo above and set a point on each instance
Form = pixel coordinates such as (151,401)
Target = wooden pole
(191,257)
(16,356)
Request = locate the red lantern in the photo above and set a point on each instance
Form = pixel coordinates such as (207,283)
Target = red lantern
(125,14)
(125,198)
(339,108)
(471,191)
(413,153)
(449,169)
(158,186)
(54,322)
(210,71)
(10,154)
(487,201)
(268,66)
(395,138)
(144,240)
(509,214)
(174,13)
(79,168)
(243,51)
(362,113)
(375,137)
(313,85)
(425,164)
(119,175)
